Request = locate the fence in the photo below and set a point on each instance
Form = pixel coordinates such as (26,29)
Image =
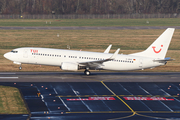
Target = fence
(91,16)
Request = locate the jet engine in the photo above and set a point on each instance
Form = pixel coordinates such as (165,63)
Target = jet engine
(69,66)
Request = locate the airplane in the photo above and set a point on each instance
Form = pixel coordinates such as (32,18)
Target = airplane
(72,60)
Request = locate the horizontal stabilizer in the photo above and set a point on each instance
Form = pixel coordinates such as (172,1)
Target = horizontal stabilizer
(163,60)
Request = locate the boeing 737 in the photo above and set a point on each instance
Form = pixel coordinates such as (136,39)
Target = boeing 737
(72,60)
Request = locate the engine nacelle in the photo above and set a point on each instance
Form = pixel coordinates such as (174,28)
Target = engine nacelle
(69,66)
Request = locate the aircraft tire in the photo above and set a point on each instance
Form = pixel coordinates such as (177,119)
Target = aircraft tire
(87,72)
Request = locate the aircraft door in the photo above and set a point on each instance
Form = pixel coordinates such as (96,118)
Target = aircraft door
(25,53)
(141,63)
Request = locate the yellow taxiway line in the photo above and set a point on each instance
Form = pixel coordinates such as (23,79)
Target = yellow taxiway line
(118,97)
(125,112)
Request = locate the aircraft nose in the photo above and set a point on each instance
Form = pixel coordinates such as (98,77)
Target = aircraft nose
(7,55)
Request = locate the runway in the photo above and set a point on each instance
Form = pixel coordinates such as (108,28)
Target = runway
(101,96)
(94,77)
(88,28)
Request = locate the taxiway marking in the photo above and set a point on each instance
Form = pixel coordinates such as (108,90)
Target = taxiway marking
(118,95)
(118,98)
(125,112)
(101,112)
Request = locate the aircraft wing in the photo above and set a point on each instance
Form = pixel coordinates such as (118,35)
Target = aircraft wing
(99,62)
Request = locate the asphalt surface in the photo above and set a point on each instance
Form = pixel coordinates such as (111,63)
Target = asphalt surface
(14,117)
(87,28)
(94,77)
(101,96)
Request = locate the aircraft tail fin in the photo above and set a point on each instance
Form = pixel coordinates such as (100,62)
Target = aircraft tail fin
(159,47)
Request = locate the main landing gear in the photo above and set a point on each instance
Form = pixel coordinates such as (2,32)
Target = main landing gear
(20,67)
(87,72)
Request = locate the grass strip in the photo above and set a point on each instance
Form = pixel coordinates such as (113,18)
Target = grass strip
(91,22)
(11,101)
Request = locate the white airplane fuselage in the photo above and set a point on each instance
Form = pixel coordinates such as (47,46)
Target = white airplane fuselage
(56,57)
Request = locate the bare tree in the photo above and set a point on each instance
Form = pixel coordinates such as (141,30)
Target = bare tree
(88,6)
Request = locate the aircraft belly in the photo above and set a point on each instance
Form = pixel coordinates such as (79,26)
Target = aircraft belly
(121,66)
(49,62)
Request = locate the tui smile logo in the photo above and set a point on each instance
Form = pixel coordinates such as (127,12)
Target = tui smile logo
(154,49)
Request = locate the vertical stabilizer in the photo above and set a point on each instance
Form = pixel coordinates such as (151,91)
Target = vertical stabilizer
(159,47)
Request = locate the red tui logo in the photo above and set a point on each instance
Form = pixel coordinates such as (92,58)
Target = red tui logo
(158,50)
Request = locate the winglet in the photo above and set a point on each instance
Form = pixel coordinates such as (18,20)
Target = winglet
(108,49)
(115,54)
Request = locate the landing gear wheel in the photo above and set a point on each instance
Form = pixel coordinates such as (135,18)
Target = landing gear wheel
(20,68)
(87,72)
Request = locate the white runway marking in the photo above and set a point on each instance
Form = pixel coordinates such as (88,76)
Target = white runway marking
(98,96)
(9,77)
(61,100)
(132,94)
(77,93)
(159,101)
(7,73)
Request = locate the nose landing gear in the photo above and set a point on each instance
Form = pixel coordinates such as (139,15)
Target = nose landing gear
(20,67)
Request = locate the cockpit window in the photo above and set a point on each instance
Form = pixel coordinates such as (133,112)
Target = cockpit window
(14,51)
